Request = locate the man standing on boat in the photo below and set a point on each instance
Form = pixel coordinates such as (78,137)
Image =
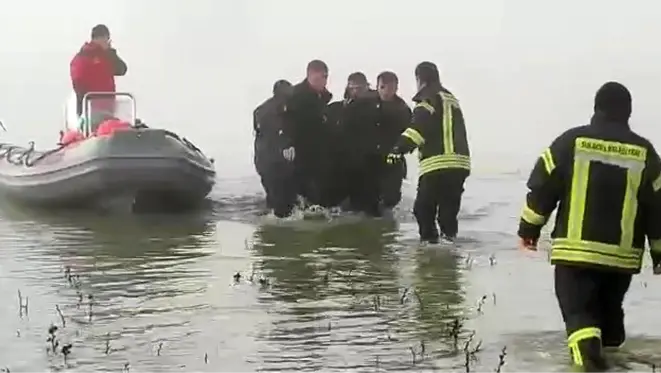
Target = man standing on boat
(93,69)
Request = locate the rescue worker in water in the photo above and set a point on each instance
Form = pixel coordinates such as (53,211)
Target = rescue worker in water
(605,181)
(306,123)
(274,153)
(439,132)
(371,123)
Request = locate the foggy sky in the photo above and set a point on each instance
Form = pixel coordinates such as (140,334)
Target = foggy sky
(523,70)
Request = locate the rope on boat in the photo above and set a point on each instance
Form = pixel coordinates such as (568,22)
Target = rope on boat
(20,156)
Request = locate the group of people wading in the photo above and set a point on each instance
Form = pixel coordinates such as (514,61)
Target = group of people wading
(350,153)
(602,177)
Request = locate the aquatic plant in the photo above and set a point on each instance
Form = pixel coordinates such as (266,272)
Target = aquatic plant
(470,352)
(107,350)
(59,312)
(22,305)
(501,359)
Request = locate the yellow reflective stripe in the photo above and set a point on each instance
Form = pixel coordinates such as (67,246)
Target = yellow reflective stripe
(583,334)
(547,158)
(656,184)
(599,247)
(611,149)
(449,104)
(579,188)
(414,136)
(570,255)
(444,161)
(425,105)
(576,356)
(630,157)
(655,245)
(630,207)
(531,217)
(443,166)
(580,335)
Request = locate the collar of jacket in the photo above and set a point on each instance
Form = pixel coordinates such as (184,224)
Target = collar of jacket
(325,94)
(600,119)
(427,92)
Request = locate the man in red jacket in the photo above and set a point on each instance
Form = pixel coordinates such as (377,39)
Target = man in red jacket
(94,67)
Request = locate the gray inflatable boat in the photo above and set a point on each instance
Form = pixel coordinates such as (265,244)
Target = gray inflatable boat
(137,166)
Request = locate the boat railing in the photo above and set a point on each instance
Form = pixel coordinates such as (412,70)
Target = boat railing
(88,109)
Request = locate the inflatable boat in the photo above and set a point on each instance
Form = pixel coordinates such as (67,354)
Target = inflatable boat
(104,158)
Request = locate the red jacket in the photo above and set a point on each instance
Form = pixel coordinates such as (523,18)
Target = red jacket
(94,69)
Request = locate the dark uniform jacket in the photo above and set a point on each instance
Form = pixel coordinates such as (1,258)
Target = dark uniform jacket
(370,127)
(306,121)
(271,137)
(438,131)
(606,179)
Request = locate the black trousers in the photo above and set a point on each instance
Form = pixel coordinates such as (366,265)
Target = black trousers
(363,183)
(280,187)
(314,176)
(391,184)
(439,200)
(591,304)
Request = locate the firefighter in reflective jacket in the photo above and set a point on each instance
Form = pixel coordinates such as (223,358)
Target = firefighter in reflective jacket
(606,180)
(439,133)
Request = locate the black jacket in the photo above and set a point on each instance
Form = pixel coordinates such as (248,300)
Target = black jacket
(605,181)
(370,127)
(438,131)
(271,137)
(306,121)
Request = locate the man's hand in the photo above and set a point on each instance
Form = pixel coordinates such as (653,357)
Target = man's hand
(394,158)
(289,153)
(527,244)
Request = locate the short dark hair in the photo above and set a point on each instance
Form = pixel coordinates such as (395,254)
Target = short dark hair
(614,100)
(100,31)
(387,77)
(281,86)
(317,66)
(427,72)
(357,77)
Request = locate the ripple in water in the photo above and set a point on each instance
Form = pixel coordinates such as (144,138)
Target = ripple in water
(358,295)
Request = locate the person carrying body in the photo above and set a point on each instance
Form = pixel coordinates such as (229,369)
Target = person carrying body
(604,180)
(394,116)
(439,133)
(356,177)
(306,122)
(93,69)
(274,153)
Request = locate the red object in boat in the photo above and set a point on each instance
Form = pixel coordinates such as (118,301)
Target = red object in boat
(109,126)
(71,136)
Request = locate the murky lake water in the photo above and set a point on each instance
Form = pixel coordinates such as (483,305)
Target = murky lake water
(349,294)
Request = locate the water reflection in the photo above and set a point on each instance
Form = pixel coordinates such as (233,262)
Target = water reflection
(437,282)
(339,300)
(131,276)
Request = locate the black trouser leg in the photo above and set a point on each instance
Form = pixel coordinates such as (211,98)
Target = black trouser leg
(391,185)
(425,207)
(451,189)
(368,194)
(611,320)
(355,188)
(280,187)
(578,293)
